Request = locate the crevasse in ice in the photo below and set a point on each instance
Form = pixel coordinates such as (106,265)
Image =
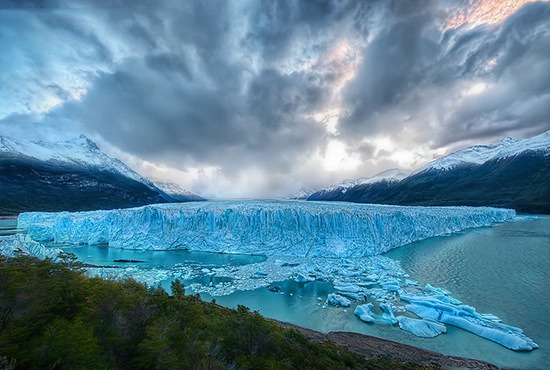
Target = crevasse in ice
(276,228)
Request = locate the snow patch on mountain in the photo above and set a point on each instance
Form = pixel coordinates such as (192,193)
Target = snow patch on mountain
(303,193)
(175,191)
(80,152)
(393,175)
(479,154)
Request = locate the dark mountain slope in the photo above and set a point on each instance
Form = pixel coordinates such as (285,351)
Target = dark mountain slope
(35,186)
(521,182)
(72,175)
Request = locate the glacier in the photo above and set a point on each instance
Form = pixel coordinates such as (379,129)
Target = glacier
(331,242)
(271,228)
(15,245)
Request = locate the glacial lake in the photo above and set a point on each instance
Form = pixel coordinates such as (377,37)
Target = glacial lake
(503,270)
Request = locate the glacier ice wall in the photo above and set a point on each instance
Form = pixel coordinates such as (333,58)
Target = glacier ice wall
(283,228)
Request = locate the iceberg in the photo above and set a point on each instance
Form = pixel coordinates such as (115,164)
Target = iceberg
(303,278)
(392,286)
(364,312)
(421,328)
(271,228)
(387,314)
(347,287)
(466,317)
(338,300)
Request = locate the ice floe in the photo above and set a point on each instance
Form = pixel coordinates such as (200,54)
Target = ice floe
(466,317)
(421,328)
(364,312)
(338,300)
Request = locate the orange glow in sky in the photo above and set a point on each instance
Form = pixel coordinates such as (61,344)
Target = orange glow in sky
(490,12)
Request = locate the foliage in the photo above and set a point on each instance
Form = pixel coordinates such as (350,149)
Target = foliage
(52,316)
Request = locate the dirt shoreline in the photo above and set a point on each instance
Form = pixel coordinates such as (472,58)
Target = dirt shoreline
(369,347)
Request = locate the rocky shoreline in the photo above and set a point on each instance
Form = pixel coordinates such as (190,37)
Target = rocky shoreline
(373,347)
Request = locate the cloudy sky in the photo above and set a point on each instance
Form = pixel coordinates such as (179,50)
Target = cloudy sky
(260,98)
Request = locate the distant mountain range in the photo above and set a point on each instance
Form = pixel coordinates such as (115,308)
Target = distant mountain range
(301,194)
(176,192)
(73,175)
(511,173)
(376,183)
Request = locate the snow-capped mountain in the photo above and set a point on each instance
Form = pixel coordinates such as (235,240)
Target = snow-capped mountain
(392,175)
(479,154)
(510,173)
(303,194)
(68,175)
(175,191)
(380,180)
(80,152)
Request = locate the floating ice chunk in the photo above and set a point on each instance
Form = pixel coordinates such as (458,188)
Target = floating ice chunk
(490,316)
(421,328)
(302,278)
(350,295)
(439,291)
(347,287)
(387,314)
(466,317)
(446,299)
(371,277)
(411,282)
(392,286)
(338,300)
(364,312)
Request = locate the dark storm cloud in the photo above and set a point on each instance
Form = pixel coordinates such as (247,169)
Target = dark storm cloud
(397,62)
(276,23)
(412,65)
(189,104)
(520,96)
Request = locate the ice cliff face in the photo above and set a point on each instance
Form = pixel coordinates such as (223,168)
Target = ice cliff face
(302,229)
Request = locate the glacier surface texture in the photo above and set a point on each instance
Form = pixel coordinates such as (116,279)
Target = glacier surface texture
(272,228)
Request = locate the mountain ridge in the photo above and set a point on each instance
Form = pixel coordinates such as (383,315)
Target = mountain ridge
(510,173)
(70,175)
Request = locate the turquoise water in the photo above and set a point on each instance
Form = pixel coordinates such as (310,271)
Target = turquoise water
(503,270)
(7,226)
(104,256)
